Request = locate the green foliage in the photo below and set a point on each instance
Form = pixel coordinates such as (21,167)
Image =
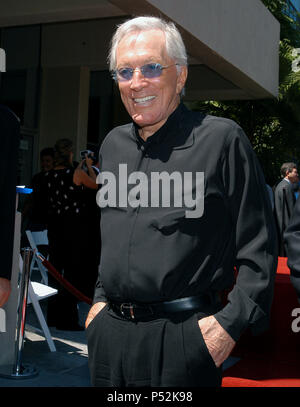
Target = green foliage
(272,125)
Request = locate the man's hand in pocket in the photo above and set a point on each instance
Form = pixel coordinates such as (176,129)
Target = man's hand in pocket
(219,343)
(95,309)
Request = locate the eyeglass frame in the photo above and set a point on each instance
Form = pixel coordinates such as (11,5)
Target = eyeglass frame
(115,72)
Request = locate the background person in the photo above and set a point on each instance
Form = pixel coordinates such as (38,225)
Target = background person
(85,176)
(66,234)
(285,199)
(161,274)
(33,214)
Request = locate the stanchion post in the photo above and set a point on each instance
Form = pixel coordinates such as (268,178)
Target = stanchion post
(21,310)
(17,370)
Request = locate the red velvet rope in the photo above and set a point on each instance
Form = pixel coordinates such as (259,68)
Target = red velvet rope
(65,283)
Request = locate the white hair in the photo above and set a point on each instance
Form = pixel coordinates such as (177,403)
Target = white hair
(174,43)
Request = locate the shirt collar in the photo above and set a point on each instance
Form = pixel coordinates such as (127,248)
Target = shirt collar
(169,126)
(176,129)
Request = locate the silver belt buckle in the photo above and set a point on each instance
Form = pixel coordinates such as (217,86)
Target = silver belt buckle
(127,306)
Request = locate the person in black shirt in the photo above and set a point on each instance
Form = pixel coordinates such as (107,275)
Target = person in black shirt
(68,236)
(34,211)
(284,201)
(90,243)
(10,138)
(183,203)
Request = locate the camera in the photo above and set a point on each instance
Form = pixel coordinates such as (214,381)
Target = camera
(87,154)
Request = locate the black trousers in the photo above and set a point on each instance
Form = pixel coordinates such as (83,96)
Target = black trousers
(168,352)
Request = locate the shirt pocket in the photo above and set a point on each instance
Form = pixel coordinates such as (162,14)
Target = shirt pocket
(177,221)
(170,222)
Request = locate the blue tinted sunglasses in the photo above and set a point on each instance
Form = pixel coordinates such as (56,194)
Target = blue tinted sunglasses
(149,71)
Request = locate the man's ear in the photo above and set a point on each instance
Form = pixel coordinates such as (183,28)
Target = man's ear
(181,78)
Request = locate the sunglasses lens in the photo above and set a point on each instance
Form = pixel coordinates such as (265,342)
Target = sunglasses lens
(151,70)
(148,71)
(125,73)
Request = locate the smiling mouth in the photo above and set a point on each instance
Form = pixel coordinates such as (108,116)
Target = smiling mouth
(143,100)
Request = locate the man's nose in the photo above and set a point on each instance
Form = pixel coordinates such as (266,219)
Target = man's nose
(138,80)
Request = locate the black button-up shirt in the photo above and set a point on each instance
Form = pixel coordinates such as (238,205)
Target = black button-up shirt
(155,251)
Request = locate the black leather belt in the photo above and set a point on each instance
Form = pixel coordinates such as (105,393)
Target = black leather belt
(136,311)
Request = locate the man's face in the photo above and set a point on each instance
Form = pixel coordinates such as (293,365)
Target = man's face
(46,163)
(162,93)
(293,175)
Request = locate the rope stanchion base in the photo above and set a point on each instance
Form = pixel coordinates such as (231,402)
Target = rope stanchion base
(18,370)
(26,372)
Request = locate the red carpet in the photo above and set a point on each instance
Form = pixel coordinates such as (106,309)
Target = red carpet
(271,359)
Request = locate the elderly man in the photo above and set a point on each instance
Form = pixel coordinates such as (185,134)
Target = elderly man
(169,247)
